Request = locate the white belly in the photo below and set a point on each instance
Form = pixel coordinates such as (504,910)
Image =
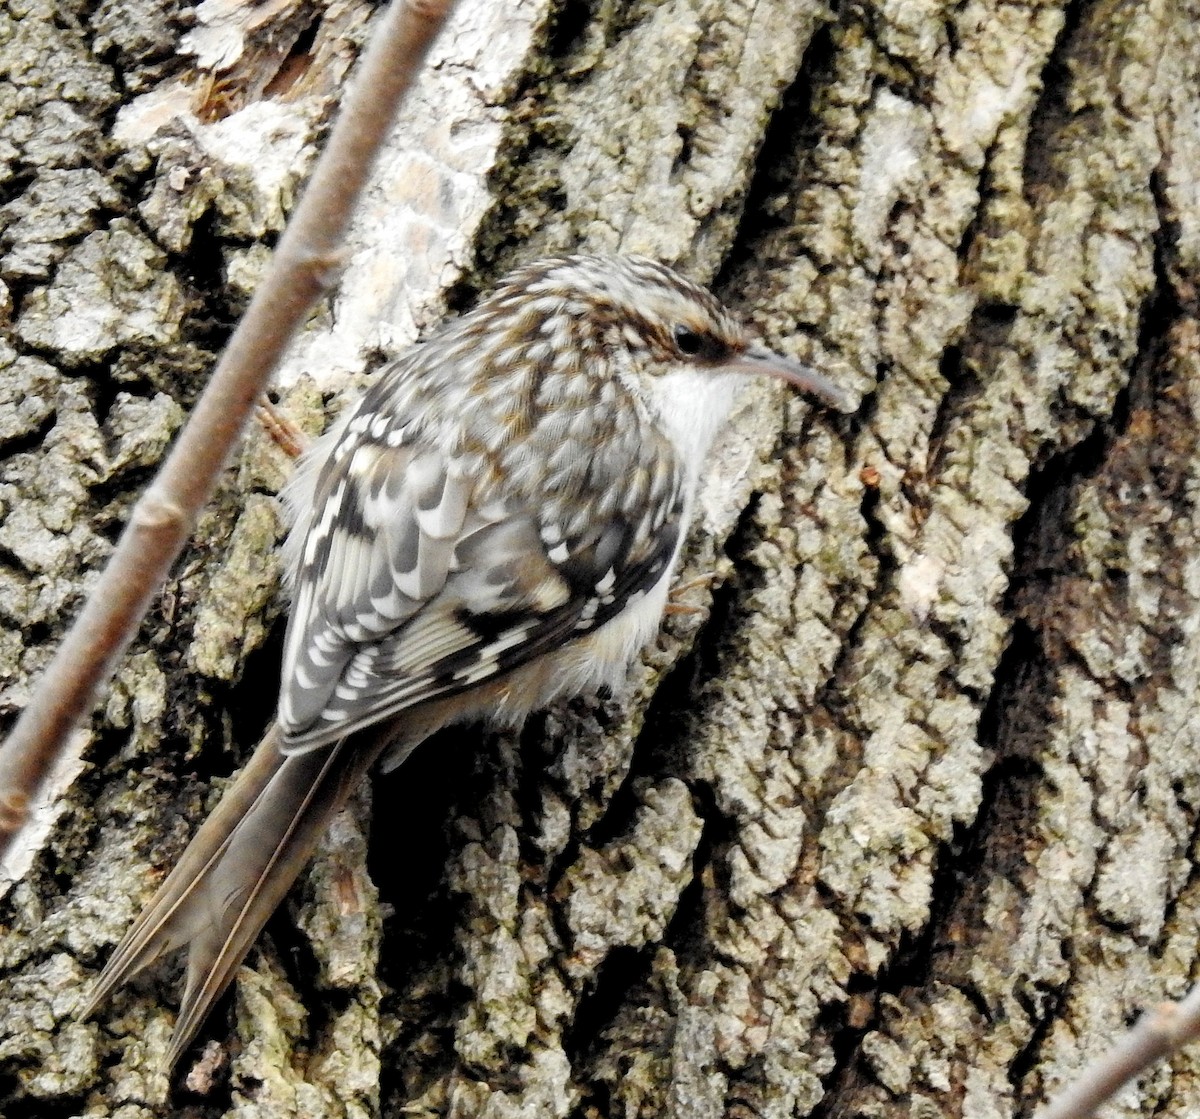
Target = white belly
(602,659)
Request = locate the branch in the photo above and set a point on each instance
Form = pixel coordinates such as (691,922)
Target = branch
(305,261)
(1161,1031)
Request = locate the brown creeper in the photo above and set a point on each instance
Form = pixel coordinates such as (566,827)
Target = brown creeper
(493,525)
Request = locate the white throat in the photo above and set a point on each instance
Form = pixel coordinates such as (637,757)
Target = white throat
(692,406)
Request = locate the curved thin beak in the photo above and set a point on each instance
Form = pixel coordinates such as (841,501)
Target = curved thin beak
(759,361)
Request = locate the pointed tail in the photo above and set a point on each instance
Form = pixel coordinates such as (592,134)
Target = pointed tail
(237,870)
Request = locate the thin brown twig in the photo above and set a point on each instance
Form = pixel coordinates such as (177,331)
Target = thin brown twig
(304,265)
(1161,1031)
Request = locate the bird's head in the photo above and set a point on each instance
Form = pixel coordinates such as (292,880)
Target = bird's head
(616,345)
(630,313)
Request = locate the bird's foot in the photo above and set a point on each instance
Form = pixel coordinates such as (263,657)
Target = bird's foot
(284,434)
(681,590)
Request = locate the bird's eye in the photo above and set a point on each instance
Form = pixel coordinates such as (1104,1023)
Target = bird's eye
(688,341)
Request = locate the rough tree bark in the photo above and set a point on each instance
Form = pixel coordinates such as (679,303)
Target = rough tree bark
(903,821)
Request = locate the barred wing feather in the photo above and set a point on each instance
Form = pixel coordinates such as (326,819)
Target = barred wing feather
(418,580)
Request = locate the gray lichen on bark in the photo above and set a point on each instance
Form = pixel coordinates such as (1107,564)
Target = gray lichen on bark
(901,822)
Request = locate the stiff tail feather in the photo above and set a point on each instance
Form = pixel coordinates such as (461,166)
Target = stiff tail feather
(237,870)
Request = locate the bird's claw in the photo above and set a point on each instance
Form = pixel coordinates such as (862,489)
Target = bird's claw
(283,433)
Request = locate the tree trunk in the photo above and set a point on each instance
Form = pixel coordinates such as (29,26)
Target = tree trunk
(901,820)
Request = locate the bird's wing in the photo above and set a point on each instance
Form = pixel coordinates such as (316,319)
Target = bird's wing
(420,576)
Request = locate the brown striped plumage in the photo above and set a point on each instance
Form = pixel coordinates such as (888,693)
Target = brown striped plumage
(491,526)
